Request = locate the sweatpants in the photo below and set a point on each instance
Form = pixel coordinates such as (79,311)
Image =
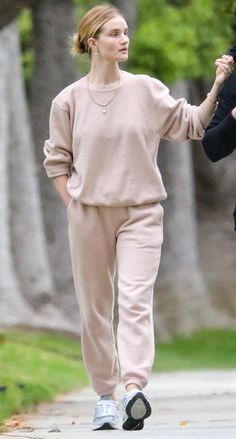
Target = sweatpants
(103,239)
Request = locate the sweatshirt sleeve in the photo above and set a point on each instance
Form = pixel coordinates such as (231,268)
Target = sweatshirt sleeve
(220,137)
(178,119)
(58,148)
(232,52)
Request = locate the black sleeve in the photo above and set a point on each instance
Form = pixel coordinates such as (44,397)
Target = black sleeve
(232,52)
(220,136)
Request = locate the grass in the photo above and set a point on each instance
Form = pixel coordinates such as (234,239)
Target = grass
(207,349)
(36,366)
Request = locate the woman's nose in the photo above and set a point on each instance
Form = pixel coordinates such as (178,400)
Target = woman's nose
(125,39)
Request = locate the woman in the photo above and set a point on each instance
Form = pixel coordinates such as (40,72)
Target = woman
(220,137)
(104,135)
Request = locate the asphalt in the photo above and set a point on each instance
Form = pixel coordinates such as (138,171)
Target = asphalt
(186,405)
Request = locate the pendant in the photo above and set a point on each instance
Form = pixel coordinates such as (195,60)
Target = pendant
(104,111)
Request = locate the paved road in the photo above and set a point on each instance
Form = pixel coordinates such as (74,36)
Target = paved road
(186,405)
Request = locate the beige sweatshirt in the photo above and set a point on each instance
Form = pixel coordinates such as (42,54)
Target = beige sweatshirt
(111,158)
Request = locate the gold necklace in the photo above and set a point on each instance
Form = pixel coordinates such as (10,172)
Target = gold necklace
(104,109)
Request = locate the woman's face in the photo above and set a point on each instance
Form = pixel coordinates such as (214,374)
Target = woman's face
(113,41)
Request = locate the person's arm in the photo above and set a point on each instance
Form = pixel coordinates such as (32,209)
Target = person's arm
(58,151)
(220,136)
(181,121)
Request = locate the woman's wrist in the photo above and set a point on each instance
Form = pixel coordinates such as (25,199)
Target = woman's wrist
(212,96)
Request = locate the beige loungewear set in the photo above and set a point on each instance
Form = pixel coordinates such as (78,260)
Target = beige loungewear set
(115,216)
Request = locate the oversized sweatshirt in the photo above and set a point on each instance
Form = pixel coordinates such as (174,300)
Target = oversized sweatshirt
(111,158)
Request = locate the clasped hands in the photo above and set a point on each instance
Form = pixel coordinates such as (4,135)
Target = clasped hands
(225,66)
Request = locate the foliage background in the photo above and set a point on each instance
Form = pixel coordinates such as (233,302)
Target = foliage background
(173,40)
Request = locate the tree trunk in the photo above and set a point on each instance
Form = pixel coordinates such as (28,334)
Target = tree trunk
(13,308)
(183,303)
(53,23)
(26,287)
(9,10)
(29,245)
(130,11)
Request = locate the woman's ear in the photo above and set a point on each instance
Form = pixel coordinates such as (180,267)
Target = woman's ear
(92,44)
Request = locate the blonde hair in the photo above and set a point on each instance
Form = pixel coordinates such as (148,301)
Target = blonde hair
(90,26)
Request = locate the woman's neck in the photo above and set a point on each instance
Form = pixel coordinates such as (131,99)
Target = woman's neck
(104,74)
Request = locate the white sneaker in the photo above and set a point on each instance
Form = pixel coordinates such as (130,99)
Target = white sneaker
(106,415)
(136,408)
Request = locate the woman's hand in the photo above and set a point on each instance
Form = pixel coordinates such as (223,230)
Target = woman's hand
(224,68)
(60,184)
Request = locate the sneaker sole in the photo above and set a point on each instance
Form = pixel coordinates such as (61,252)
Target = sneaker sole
(138,409)
(105,426)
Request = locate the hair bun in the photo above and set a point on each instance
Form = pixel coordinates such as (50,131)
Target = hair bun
(78,45)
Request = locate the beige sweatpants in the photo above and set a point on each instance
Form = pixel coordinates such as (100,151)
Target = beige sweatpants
(101,239)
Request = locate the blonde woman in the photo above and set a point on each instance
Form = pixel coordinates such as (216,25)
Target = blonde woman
(104,134)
